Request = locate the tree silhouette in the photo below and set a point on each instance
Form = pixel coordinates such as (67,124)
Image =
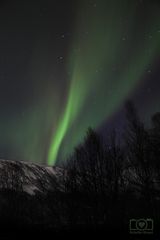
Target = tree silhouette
(102,183)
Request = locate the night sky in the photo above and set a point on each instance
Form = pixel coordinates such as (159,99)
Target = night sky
(68,65)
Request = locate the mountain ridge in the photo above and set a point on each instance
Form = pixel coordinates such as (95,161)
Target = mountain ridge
(29,177)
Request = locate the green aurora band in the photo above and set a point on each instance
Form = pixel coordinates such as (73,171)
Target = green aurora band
(114,45)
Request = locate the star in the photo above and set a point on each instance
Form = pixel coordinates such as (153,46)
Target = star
(61,58)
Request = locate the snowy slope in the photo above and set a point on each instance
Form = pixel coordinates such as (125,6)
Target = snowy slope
(29,177)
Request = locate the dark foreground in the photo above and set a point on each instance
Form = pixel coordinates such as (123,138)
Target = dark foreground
(81,232)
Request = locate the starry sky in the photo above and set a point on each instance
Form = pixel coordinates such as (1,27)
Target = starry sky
(68,65)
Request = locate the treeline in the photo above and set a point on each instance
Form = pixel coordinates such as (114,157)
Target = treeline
(111,183)
(104,183)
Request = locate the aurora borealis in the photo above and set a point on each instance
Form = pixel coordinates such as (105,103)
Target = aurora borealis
(67,66)
(92,73)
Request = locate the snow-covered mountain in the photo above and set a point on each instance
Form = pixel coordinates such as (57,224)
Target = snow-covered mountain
(29,177)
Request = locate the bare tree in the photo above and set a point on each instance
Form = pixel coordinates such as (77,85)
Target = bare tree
(139,157)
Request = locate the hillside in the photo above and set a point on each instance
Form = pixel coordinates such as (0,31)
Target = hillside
(28,177)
